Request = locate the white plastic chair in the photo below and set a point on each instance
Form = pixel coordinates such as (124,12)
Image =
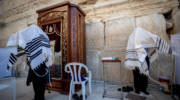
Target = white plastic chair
(76,78)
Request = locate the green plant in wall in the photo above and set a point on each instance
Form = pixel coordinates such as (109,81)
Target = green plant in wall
(2,24)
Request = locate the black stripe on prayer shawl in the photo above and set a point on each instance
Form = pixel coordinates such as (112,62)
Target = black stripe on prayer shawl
(35,55)
(39,37)
(170,51)
(12,58)
(37,41)
(159,44)
(35,47)
(164,47)
(11,62)
(157,41)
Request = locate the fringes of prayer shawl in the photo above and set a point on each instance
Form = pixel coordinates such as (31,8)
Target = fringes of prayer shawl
(136,58)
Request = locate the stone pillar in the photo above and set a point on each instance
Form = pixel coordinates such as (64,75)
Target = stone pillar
(176,20)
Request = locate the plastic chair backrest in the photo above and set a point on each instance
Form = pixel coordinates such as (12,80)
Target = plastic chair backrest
(75,70)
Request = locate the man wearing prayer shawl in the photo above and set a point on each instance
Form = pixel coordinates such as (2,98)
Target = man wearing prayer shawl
(33,42)
(141,46)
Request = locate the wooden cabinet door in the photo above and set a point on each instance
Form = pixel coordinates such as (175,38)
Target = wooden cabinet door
(54,32)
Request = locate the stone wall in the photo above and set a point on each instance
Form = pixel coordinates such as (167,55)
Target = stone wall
(108,26)
(176,20)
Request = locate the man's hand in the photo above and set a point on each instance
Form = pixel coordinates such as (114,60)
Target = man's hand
(8,67)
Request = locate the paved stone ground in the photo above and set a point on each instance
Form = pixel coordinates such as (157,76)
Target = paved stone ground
(26,93)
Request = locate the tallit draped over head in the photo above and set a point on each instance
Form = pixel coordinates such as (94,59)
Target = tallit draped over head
(36,45)
(138,42)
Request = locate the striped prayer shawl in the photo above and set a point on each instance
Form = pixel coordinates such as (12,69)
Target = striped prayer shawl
(12,59)
(136,58)
(139,44)
(34,51)
(37,49)
(163,46)
(13,56)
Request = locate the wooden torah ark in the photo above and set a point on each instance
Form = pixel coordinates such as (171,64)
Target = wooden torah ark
(64,24)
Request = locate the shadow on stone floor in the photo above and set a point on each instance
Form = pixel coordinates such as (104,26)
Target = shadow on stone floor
(26,93)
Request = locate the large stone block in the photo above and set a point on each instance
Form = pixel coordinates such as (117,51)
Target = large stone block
(103,9)
(10,29)
(94,36)
(3,43)
(111,9)
(176,21)
(117,32)
(164,66)
(93,63)
(154,23)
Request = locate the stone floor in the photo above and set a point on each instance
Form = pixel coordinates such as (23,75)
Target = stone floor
(26,93)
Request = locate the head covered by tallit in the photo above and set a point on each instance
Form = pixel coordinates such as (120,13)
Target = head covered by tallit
(139,40)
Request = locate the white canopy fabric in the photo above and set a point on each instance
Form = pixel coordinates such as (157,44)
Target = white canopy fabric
(175,41)
(36,44)
(4,59)
(138,41)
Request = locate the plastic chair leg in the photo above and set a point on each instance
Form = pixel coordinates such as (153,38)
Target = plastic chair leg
(73,88)
(83,91)
(70,91)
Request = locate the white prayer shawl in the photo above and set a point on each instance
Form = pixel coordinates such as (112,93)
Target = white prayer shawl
(36,45)
(138,41)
